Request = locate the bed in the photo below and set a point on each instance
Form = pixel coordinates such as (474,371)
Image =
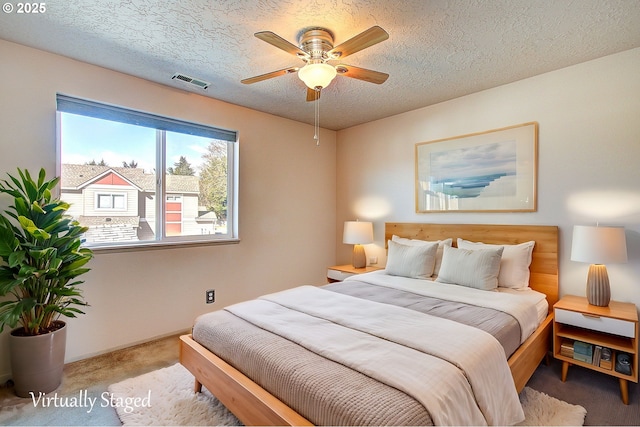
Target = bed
(254,405)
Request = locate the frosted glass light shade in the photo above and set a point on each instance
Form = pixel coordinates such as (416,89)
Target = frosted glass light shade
(317,75)
(597,246)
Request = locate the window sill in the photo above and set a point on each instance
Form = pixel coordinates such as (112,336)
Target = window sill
(161,245)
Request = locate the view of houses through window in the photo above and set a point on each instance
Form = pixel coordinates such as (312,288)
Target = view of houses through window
(109,175)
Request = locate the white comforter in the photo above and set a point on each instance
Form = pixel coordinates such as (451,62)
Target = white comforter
(457,372)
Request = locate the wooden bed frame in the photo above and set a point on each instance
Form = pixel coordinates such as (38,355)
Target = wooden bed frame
(255,406)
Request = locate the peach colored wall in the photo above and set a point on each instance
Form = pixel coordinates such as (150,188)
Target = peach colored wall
(286,203)
(589,147)
(589,154)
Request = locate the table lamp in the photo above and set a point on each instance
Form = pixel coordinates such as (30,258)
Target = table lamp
(358,233)
(598,246)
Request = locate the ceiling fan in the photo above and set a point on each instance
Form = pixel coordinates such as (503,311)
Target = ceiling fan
(317,51)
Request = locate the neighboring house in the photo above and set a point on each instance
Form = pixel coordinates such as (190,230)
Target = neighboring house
(119,204)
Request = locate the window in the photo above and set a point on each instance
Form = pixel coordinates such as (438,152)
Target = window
(111,201)
(137,179)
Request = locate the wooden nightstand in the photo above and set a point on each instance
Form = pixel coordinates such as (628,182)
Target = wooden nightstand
(614,327)
(338,273)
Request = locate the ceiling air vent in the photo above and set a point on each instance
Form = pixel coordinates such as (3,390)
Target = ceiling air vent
(201,84)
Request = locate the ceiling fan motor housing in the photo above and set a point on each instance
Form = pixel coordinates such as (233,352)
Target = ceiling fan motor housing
(316,42)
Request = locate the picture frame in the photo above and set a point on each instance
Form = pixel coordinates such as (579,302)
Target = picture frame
(491,171)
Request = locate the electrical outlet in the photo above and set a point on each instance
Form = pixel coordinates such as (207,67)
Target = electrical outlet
(210,296)
(373,260)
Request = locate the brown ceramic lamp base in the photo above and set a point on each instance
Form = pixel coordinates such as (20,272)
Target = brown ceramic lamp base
(359,259)
(598,289)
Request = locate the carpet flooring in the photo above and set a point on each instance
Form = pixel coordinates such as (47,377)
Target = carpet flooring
(599,394)
(94,375)
(166,397)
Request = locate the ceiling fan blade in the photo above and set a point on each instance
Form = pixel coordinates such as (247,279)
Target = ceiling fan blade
(362,74)
(269,75)
(363,40)
(277,41)
(312,95)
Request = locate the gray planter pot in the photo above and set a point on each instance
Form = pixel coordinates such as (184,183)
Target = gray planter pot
(37,361)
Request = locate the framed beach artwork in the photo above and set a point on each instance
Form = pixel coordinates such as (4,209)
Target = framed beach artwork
(492,171)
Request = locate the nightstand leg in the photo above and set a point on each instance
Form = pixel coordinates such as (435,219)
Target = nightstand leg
(624,391)
(565,369)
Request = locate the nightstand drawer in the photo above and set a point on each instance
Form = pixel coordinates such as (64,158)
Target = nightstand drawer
(596,323)
(338,275)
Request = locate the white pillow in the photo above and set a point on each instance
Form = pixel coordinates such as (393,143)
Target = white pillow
(416,242)
(411,261)
(514,267)
(475,269)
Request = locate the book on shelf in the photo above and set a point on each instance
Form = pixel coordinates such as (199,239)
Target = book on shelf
(582,357)
(583,351)
(597,354)
(566,348)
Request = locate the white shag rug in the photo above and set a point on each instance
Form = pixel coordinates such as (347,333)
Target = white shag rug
(540,409)
(165,398)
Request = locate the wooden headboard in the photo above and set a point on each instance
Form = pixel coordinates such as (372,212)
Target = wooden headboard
(544,263)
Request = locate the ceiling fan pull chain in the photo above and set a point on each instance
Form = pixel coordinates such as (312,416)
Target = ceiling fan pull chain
(317,118)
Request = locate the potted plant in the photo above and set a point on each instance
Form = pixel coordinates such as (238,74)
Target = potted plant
(41,260)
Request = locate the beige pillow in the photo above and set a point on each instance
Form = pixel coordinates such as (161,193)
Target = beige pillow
(416,242)
(514,267)
(475,269)
(411,261)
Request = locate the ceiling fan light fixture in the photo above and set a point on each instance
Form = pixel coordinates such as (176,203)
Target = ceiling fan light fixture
(317,75)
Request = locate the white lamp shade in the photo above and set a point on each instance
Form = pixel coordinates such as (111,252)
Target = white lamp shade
(357,232)
(598,245)
(317,75)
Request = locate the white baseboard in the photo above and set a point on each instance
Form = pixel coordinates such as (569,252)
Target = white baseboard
(132,344)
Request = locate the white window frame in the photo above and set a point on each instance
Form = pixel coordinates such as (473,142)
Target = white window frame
(111,194)
(162,125)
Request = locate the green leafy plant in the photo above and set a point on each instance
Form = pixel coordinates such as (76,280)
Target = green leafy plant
(41,254)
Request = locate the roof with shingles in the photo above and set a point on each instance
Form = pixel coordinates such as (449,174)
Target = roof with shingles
(89,221)
(78,176)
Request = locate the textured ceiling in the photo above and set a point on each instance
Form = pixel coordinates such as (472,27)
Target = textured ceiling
(437,49)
